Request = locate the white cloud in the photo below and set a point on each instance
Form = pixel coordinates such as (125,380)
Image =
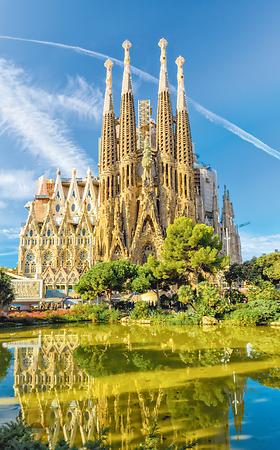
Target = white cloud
(9,233)
(254,245)
(79,98)
(16,184)
(209,115)
(11,253)
(36,130)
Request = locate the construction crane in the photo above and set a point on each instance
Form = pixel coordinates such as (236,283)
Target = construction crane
(243,224)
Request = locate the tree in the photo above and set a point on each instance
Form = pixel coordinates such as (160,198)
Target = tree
(249,271)
(105,278)
(186,295)
(6,290)
(192,251)
(153,275)
(264,291)
(269,265)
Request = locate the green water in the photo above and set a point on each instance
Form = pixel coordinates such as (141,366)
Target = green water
(202,388)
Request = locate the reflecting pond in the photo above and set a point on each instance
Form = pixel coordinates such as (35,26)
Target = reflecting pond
(202,388)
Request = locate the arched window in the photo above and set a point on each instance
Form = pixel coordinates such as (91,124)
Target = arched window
(65,259)
(83,260)
(47,260)
(30,263)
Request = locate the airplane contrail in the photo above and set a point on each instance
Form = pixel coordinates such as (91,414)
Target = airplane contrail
(211,116)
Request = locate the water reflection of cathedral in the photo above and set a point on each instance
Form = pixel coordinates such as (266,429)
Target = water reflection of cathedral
(59,398)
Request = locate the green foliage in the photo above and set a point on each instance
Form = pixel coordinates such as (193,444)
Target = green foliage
(152,439)
(264,268)
(256,312)
(140,311)
(63,445)
(186,294)
(17,435)
(245,272)
(154,275)
(192,248)
(6,290)
(234,296)
(106,277)
(100,442)
(263,291)
(270,266)
(97,313)
(5,361)
(210,301)
(208,294)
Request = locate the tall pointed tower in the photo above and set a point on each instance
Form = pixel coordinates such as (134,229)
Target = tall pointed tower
(230,236)
(128,153)
(165,144)
(184,151)
(108,171)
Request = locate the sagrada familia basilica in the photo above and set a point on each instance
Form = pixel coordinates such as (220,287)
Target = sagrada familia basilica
(147,177)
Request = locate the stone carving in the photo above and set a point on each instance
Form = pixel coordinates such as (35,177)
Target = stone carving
(27,289)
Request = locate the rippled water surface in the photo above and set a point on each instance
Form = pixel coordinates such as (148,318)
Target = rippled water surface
(202,388)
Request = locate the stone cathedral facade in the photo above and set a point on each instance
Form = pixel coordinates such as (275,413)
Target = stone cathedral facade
(146,179)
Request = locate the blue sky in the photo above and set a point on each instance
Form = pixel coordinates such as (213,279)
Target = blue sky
(51,98)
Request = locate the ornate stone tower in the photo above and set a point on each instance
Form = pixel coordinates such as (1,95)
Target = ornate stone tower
(108,172)
(230,236)
(128,154)
(184,174)
(146,179)
(165,145)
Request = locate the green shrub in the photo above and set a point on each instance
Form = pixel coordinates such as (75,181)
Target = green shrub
(256,312)
(140,311)
(16,435)
(265,291)
(97,313)
(210,301)
(186,294)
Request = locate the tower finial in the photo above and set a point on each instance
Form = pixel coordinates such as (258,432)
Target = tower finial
(126,84)
(181,98)
(163,78)
(108,100)
(126,45)
(163,44)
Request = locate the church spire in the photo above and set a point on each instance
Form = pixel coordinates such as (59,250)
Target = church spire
(230,235)
(165,143)
(165,135)
(163,77)
(126,83)
(127,116)
(108,100)
(181,96)
(184,151)
(109,139)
